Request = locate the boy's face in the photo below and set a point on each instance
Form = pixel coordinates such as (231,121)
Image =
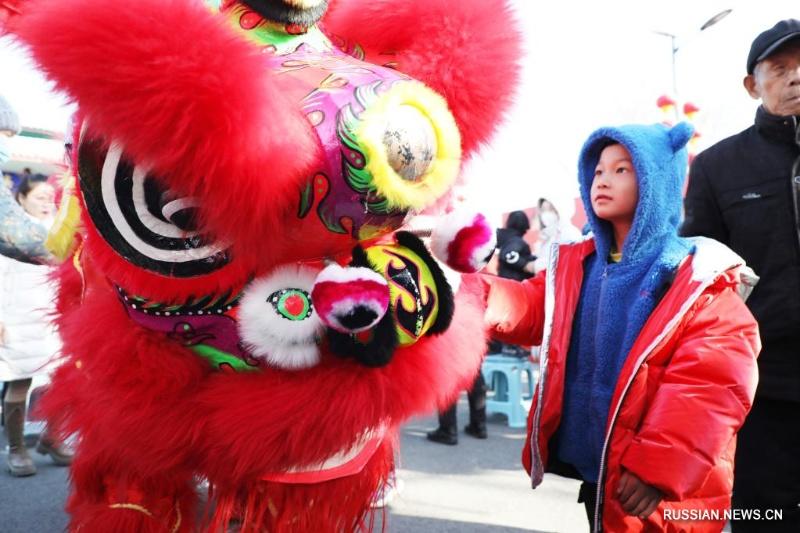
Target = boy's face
(615,189)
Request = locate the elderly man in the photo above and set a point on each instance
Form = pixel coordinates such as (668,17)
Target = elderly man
(745,192)
(20,238)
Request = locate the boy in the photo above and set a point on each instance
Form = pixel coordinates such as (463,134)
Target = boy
(647,351)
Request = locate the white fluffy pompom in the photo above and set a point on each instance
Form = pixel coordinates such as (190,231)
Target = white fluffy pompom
(277,320)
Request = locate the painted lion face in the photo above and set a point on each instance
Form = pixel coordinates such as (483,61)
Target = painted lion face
(387,146)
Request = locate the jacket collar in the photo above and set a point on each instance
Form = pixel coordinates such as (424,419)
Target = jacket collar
(776,127)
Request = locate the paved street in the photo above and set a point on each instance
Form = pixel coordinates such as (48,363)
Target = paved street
(477,486)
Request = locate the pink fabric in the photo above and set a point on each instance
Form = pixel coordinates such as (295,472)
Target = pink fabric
(462,248)
(327,294)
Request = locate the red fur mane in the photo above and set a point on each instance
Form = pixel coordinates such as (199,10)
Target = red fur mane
(191,100)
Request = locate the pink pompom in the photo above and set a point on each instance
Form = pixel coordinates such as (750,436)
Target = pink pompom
(350,299)
(464,241)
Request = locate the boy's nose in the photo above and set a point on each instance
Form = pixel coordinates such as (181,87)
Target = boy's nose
(602,181)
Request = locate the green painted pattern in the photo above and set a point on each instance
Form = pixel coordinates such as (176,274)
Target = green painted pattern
(217,358)
(306,199)
(285,43)
(357,176)
(272,34)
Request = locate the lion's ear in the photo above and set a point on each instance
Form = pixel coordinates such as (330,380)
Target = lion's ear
(467,51)
(190,100)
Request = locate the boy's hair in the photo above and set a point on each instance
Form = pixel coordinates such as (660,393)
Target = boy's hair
(605,143)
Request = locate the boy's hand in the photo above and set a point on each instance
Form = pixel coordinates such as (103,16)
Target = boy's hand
(2,334)
(637,497)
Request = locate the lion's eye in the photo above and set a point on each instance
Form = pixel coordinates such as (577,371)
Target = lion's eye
(151,226)
(406,142)
(277,320)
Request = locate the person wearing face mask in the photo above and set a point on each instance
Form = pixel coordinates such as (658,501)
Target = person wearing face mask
(745,192)
(28,341)
(20,238)
(551,230)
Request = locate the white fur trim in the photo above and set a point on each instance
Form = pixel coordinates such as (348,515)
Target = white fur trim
(339,274)
(343,307)
(282,342)
(447,229)
(712,258)
(481,253)
(293,357)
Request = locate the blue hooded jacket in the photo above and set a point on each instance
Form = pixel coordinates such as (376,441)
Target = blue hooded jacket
(617,298)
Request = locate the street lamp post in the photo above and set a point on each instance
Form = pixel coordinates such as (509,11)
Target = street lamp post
(674,44)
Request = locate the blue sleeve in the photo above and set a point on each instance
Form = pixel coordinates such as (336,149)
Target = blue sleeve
(20,238)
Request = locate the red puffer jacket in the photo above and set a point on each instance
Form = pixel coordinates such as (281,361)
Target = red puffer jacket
(683,392)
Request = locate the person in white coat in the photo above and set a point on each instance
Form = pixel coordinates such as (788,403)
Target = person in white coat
(28,342)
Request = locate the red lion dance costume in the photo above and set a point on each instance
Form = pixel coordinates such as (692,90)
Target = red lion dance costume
(242,309)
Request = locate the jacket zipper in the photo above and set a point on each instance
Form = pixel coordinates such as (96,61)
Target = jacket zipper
(537,466)
(653,345)
(795,177)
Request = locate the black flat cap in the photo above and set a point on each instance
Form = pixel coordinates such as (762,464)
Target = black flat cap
(769,41)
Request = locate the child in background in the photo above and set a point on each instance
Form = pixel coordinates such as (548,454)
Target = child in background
(648,353)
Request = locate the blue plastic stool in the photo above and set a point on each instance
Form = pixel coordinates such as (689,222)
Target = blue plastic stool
(503,375)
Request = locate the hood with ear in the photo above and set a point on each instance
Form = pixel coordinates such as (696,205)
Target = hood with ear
(660,159)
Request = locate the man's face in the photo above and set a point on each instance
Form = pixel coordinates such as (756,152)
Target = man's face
(615,188)
(776,81)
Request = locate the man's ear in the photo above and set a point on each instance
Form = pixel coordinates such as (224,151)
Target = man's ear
(750,86)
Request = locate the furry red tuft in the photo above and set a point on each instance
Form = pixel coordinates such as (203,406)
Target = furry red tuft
(205,112)
(233,427)
(189,98)
(466,51)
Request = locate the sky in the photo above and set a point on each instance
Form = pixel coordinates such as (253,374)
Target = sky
(586,65)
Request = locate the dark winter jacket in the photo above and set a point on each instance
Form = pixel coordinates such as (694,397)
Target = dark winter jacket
(740,193)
